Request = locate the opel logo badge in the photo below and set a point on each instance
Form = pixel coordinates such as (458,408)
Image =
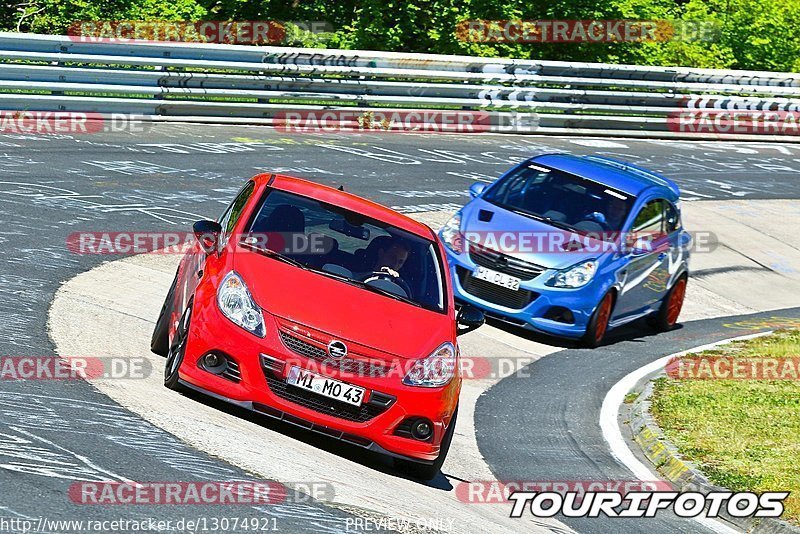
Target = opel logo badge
(337,349)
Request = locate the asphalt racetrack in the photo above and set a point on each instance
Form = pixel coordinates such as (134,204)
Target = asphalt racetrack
(53,433)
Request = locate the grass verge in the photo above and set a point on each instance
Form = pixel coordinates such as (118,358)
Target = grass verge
(743,434)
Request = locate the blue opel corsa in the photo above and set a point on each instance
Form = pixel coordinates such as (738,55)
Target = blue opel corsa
(572,246)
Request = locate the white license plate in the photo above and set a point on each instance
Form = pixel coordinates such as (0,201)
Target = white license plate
(501,279)
(327,387)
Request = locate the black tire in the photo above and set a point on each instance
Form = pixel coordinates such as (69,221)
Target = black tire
(177,351)
(427,472)
(596,331)
(159,342)
(661,320)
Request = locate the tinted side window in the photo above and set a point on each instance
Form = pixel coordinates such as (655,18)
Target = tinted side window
(650,219)
(234,211)
(672,218)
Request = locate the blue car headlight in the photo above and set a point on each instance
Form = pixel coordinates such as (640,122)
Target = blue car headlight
(451,234)
(576,276)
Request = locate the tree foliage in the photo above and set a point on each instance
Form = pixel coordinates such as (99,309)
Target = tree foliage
(752,34)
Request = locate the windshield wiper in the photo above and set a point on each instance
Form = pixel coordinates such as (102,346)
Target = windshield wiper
(541,218)
(276,255)
(382,291)
(559,224)
(329,274)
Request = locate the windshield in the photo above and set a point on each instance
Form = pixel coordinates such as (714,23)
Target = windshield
(350,247)
(563,200)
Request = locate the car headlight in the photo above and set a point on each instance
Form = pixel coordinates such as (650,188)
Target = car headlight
(451,234)
(435,370)
(576,276)
(236,304)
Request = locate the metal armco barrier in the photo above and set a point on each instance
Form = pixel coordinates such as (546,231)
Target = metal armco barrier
(254,85)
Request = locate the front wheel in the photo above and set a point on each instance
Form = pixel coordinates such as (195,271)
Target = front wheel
(426,472)
(598,324)
(159,342)
(177,351)
(667,315)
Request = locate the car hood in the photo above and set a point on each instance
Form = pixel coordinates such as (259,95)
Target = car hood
(525,238)
(341,310)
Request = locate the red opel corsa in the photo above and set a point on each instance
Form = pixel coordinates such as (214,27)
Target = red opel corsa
(325,310)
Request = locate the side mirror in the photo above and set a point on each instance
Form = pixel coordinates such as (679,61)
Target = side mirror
(476,189)
(468,319)
(207,234)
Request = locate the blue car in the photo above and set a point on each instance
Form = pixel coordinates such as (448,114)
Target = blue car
(571,246)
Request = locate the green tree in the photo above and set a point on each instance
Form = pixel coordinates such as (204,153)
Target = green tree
(753,34)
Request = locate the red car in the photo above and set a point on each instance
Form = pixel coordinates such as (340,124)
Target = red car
(324,310)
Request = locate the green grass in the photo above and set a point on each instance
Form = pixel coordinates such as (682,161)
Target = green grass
(630,398)
(743,434)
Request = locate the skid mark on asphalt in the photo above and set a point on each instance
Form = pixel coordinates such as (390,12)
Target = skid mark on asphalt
(25,450)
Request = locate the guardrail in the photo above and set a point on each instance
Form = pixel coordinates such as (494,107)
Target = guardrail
(246,84)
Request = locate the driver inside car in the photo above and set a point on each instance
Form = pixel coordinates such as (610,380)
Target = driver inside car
(609,220)
(390,256)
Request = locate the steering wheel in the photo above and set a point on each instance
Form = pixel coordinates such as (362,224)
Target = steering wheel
(390,276)
(598,218)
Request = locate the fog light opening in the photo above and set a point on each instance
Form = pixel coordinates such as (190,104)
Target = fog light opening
(560,314)
(421,429)
(214,363)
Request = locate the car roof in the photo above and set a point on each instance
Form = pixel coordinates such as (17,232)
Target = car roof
(619,175)
(345,200)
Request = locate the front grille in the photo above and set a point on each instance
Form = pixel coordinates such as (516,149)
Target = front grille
(303,348)
(404,429)
(347,365)
(378,402)
(232,371)
(497,261)
(493,293)
(274,365)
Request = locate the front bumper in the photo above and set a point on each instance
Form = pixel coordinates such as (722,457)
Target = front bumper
(263,364)
(535,306)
